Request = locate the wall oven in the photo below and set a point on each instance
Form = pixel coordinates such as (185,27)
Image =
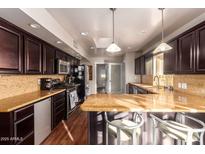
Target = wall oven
(63,67)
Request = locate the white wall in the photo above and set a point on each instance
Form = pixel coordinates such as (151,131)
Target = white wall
(129,62)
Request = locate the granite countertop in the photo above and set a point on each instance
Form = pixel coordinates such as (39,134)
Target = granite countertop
(16,102)
(161,100)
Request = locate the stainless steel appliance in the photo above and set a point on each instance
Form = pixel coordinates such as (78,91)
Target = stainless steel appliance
(42,120)
(72,99)
(63,67)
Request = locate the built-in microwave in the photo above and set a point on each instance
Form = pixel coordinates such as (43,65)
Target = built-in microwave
(63,67)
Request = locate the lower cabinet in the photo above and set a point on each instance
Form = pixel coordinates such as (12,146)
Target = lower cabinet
(32,124)
(17,127)
(137,90)
(58,108)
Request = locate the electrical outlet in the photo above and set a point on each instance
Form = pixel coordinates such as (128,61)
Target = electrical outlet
(184,85)
(179,85)
(39,81)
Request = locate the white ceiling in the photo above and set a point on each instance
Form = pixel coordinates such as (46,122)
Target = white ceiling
(134,28)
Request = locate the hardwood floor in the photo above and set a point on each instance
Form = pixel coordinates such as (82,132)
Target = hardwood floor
(73,131)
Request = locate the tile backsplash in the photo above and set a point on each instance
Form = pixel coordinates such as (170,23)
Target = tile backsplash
(195,84)
(12,85)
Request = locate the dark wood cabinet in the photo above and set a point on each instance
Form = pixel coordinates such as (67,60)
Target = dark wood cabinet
(48,59)
(200,50)
(58,108)
(11,42)
(170,59)
(33,55)
(61,55)
(140,65)
(186,53)
(137,66)
(17,127)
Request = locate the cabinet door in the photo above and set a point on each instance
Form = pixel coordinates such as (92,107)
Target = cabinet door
(48,59)
(186,53)
(33,56)
(137,66)
(200,50)
(10,50)
(61,55)
(170,59)
(142,65)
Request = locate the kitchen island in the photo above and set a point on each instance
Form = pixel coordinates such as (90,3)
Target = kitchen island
(157,100)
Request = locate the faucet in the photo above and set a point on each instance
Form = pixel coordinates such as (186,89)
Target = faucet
(157,80)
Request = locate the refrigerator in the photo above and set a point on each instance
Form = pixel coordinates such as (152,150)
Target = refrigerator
(81,78)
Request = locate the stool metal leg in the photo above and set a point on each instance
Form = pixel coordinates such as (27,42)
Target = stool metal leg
(106,140)
(202,138)
(134,137)
(118,136)
(189,138)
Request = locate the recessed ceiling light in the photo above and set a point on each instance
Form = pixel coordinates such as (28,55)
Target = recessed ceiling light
(35,26)
(92,47)
(143,32)
(84,33)
(129,48)
(59,42)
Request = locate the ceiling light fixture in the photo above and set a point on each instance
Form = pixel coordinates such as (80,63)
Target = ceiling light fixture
(35,26)
(92,48)
(113,47)
(84,33)
(163,46)
(59,42)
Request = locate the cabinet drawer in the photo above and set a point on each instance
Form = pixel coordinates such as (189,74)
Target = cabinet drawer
(58,96)
(60,108)
(24,127)
(28,140)
(59,102)
(59,116)
(23,112)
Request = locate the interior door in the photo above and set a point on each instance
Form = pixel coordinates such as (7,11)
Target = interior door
(115,78)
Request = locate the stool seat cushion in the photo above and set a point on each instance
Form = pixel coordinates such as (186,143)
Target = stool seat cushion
(124,133)
(177,134)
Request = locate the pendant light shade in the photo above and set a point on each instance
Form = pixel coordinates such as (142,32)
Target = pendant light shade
(113,47)
(163,46)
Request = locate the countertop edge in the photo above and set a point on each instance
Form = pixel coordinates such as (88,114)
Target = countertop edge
(32,101)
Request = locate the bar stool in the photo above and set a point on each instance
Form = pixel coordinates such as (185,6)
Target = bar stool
(179,131)
(124,129)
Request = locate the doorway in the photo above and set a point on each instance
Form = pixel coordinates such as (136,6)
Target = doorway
(109,78)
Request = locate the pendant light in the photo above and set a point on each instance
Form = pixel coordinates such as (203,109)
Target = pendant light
(113,47)
(163,46)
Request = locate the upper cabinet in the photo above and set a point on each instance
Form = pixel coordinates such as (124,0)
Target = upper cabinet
(48,59)
(61,55)
(137,66)
(140,65)
(10,49)
(33,55)
(186,53)
(200,50)
(170,58)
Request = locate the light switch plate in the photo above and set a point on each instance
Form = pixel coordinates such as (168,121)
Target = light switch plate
(39,81)
(184,85)
(179,85)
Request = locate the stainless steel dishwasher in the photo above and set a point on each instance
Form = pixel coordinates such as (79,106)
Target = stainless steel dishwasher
(42,120)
